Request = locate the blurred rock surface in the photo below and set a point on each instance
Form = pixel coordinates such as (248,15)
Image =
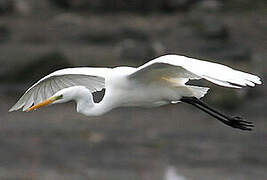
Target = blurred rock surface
(4,33)
(120,5)
(6,6)
(139,51)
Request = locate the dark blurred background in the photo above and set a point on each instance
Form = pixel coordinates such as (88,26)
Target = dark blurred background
(175,142)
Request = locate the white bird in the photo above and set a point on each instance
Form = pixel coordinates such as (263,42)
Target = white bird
(156,83)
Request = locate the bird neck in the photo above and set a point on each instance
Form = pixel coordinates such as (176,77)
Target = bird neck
(87,106)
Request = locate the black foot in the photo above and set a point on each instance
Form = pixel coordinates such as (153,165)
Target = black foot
(239,123)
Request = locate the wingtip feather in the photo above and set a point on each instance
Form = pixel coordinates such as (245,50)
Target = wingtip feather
(17,106)
(11,109)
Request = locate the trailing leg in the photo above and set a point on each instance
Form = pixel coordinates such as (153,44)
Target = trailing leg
(235,122)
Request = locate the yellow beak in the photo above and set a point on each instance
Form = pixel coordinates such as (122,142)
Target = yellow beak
(44,103)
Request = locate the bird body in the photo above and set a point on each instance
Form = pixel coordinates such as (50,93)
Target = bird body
(159,82)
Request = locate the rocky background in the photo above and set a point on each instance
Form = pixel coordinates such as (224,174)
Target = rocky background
(38,37)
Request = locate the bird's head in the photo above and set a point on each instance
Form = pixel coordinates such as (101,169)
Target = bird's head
(64,95)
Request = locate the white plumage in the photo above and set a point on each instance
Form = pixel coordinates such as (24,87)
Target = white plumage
(91,78)
(160,81)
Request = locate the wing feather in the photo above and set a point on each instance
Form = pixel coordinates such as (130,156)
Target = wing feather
(91,78)
(53,90)
(38,99)
(28,101)
(181,67)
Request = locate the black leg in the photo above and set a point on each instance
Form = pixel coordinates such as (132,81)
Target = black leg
(235,122)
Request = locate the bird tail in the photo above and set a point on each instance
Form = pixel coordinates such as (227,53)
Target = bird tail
(198,92)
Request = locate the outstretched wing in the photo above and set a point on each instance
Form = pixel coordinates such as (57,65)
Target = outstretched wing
(91,78)
(179,69)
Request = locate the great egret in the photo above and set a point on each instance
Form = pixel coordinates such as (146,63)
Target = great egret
(158,82)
